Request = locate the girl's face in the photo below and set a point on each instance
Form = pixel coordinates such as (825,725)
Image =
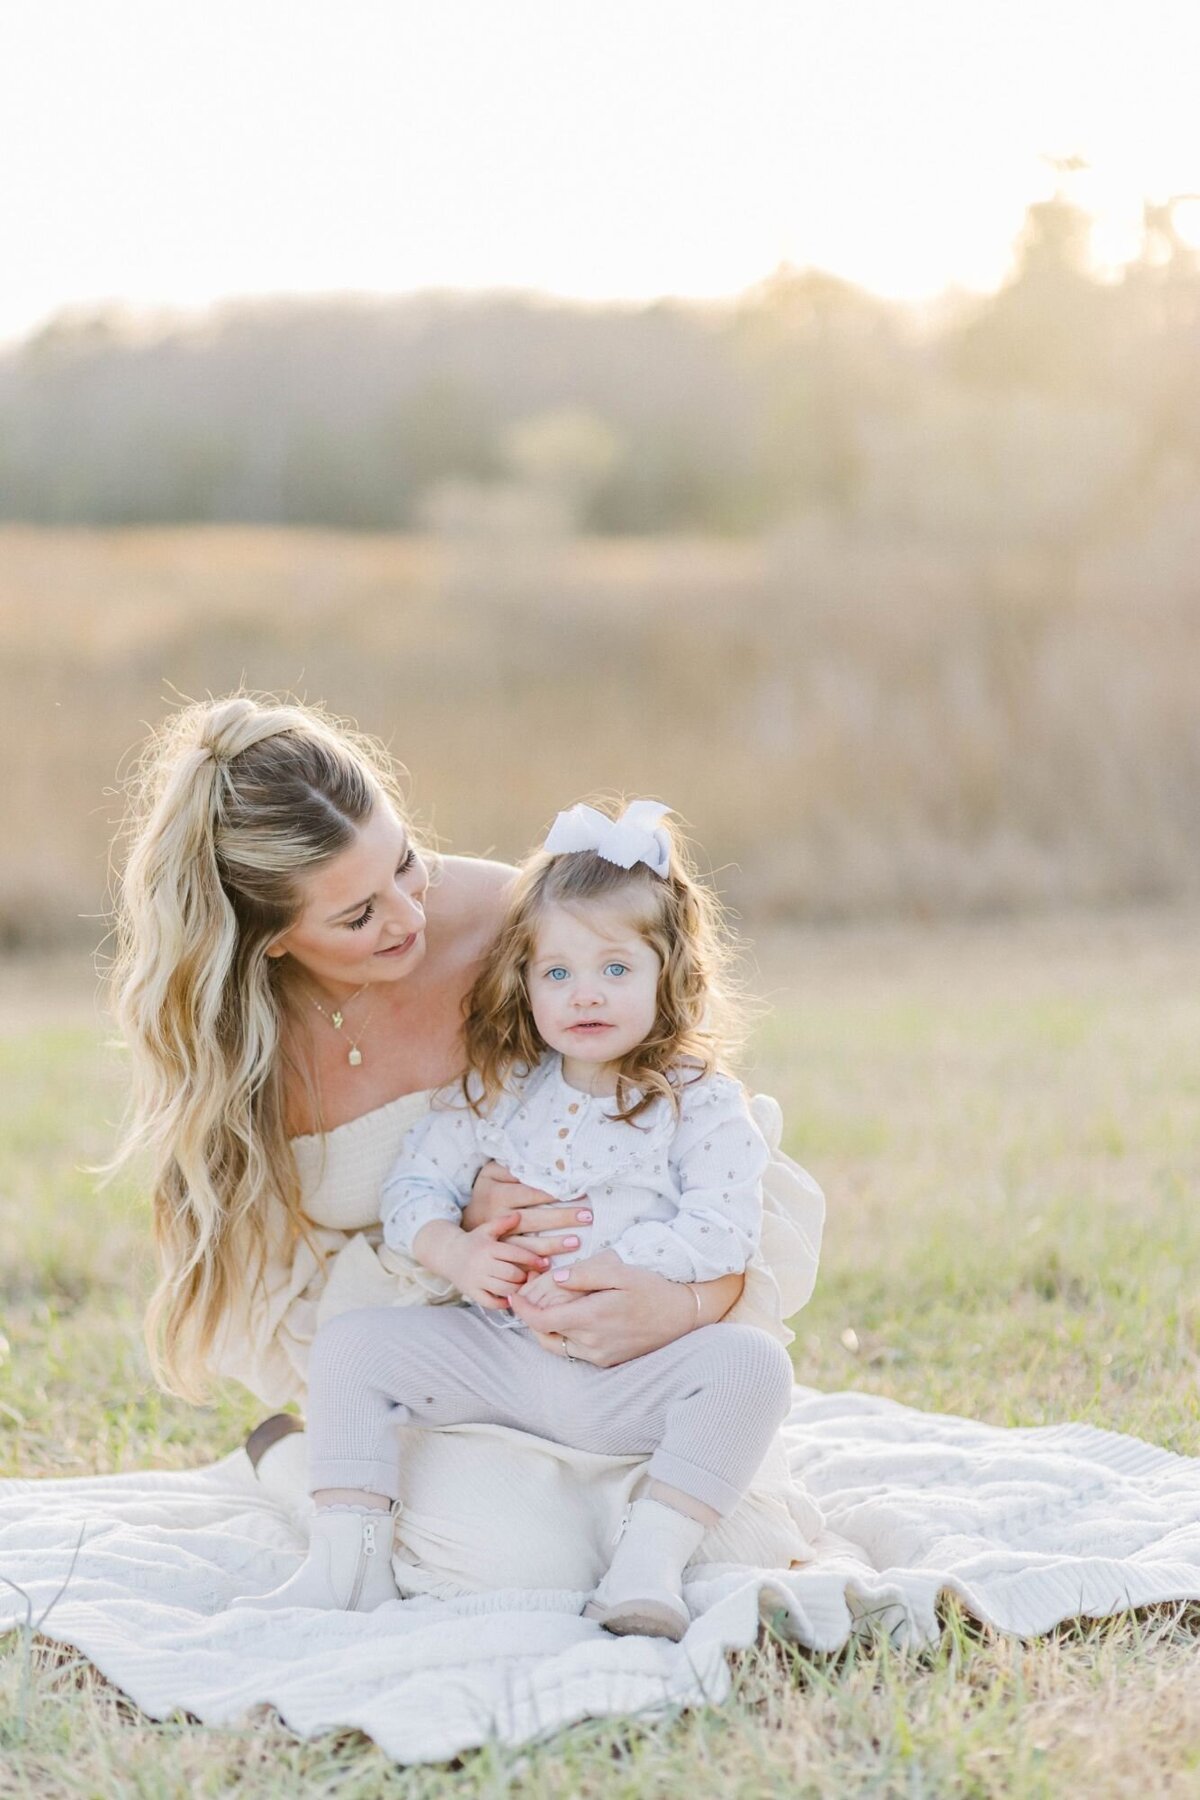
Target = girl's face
(592,983)
(363,917)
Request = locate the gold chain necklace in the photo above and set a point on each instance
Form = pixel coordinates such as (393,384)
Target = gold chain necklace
(337,1019)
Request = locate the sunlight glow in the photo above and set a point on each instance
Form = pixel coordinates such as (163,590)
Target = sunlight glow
(175,154)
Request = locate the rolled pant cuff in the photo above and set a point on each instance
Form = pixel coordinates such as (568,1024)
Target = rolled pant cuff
(354,1472)
(701,1484)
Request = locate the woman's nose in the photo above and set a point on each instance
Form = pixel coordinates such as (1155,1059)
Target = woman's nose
(412,909)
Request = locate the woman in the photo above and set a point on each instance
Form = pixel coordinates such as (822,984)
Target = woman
(290,981)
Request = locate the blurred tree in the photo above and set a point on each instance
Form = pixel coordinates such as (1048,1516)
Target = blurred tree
(817,350)
(1059,406)
(1049,327)
(565,455)
(441,427)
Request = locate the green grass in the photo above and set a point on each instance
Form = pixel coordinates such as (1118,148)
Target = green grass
(1006,1119)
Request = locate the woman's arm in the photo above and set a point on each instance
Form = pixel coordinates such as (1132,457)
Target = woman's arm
(612,1312)
(611,1316)
(496,1192)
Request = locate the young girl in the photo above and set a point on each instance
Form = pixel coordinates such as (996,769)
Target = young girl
(593,1068)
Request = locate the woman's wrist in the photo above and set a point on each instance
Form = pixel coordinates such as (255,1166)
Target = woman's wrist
(715,1298)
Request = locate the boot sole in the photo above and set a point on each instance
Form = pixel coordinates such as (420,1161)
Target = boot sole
(279,1425)
(639,1618)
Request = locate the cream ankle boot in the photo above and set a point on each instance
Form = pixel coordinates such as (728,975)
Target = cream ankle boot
(348,1566)
(641,1592)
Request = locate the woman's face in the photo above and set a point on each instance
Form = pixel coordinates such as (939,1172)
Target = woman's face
(363,917)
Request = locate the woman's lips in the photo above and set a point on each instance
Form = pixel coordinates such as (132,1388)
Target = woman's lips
(399,949)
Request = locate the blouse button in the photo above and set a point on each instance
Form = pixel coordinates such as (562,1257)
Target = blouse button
(574,1106)
(560,1164)
(563,1131)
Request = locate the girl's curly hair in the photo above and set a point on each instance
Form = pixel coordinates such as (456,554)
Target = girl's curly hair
(700,1019)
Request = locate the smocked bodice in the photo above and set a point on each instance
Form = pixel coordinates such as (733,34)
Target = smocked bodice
(342,1171)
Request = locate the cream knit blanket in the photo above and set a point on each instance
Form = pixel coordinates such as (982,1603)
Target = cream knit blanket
(1026,1527)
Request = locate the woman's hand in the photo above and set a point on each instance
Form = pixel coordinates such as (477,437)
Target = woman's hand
(610,1312)
(545,1225)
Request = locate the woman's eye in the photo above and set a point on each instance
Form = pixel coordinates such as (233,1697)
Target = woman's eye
(357,924)
(616,969)
(408,862)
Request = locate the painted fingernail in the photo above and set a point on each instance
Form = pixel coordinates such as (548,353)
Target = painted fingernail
(562,1274)
(584,1217)
(570,1243)
(543,1262)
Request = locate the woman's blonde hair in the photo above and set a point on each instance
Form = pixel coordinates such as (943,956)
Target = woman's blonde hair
(699,1020)
(230,803)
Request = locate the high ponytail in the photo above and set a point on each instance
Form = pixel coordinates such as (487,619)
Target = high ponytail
(229,804)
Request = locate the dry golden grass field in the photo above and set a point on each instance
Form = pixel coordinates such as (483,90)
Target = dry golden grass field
(850,727)
(1006,1118)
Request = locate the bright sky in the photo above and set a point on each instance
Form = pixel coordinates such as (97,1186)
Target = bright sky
(175,151)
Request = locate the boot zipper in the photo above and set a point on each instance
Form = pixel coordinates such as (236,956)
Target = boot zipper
(360,1574)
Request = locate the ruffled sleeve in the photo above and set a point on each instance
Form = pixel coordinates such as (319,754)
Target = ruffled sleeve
(781,1276)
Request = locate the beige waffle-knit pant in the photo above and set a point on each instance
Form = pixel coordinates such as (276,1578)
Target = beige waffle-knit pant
(704,1408)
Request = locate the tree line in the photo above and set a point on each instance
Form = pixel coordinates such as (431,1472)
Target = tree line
(1055,408)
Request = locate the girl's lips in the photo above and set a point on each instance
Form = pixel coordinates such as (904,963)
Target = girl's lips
(591,1025)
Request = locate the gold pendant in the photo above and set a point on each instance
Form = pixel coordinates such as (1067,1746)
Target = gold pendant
(335,1019)
(355,1057)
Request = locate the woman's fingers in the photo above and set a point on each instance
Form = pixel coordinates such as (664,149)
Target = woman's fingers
(515,1192)
(557,1346)
(594,1275)
(563,1316)
(498,1228)
(557,1217)
(544,1244)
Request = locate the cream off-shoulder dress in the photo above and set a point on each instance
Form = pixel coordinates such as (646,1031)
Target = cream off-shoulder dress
(484,1506)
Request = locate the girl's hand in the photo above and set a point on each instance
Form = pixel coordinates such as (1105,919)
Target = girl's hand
(482,1266)
(543,1225)
(541,1290)
(611,1312)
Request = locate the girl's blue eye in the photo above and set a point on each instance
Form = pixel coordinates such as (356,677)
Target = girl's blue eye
(616,969)
(554,974)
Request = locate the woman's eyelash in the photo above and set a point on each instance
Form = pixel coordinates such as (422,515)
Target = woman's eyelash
(363,918)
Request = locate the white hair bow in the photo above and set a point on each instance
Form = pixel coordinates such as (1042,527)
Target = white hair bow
(635,837)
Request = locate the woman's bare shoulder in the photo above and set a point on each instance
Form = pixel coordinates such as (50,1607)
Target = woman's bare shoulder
(470,894)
